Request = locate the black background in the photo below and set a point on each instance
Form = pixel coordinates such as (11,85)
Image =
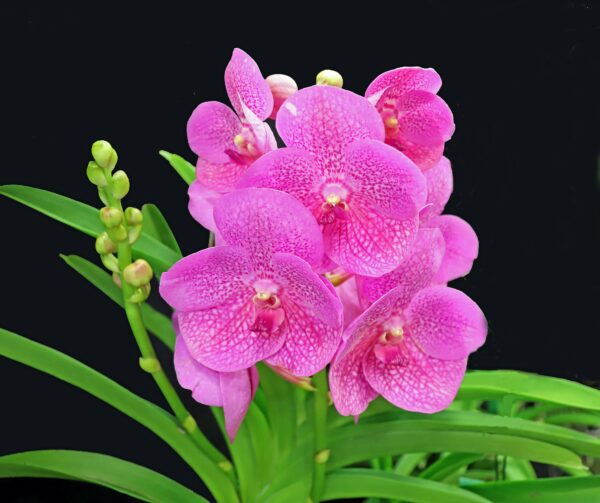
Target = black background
(522,79)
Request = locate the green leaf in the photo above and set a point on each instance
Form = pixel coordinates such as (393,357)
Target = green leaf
(365,444)
(114,473)
(157,323)
(363,483)
(85,218)
(482,384)
(407,463)
(587,419)
(156,226)
(186,170)
(520,469)
(154,418)
(448,465)
(475,422)
(552,490)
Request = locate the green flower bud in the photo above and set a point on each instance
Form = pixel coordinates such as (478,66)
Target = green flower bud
(322,457)
(189,424)
(95,174)
(104,244)
(102,195)
(330,78)
(140,294)
(133,216)
(120,184)
(118,233)
(226,466)
(104,155)
(116,279)
(110,262)
(138,273)
(150,365)
(111,217)
(134,233)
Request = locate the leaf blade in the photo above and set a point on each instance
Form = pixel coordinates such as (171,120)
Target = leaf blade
(157,227)
(185,169)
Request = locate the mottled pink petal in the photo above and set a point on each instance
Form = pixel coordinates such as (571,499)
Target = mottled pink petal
(424,156)
(211,129)
(204,383)
(287,169)
(462,247)
(267,221)
(245,84)
(439,188)
(237,389)
(323,119)
(415,382)
(202,200)
(445,323)
(313,317)
(282,87)
(348,294)
(264,139)
(413,274)
(221,337)
(221,177)
(368,244)
(384,179)
(208,278)
(406,79)
(424,118)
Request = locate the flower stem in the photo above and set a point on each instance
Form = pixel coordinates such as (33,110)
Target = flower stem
(148,355)
(320,431)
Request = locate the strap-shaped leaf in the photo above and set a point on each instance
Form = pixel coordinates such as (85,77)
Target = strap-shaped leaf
(186,170)
(488,384)
(84,218)
(114,473)
(448,465)
(363,483)
(157,323)
(156,226)
(154,418)
(553,490)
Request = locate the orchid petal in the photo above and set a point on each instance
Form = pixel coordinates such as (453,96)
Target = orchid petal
(406,79)
(439,188)
(200,206)
(237,389)
(462,247)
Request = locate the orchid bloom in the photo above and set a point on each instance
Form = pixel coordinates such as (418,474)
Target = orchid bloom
(231,390)
(225,141)
(417,121)
(365,194)
(410,346)
(255,297)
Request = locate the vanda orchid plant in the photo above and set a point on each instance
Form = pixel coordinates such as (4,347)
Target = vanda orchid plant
(318,324)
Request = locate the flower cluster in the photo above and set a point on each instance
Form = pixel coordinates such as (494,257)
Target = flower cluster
(330,250)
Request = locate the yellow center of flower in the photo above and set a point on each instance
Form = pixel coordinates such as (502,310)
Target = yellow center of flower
(239,140)
(333,199)
(391,122)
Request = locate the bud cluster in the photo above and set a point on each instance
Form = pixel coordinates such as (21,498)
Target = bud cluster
(121,227)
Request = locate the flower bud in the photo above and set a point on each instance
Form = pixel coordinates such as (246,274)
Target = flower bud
(95,174)
(282,87)
(102,195)
(140,294)
(133,216)
(120,184)
(104,155)
(111,217)
(110,262)
(116,279)
(133,233)
(104,244)
(118,233)
(150,365)
(330,78)
(138,273)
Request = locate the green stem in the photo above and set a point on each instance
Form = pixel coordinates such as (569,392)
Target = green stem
(320,432)
(134,316)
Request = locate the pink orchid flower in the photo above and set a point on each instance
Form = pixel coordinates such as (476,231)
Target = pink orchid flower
(417,121)
(225,141)
(231,390)
(255,297)
(365,194)
(410,346)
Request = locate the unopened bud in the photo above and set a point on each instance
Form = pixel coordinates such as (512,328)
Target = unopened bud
(116,279)
(102,195)
(110,262)
(140,294)
(111,217)
(322,457)
(134,233)
(120,184)
(95,174)
(330,78)
(118,233)
(104,154)
(189,424)
(138,273)
(104,244)
(150,365)
(282,87)
(133,216)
